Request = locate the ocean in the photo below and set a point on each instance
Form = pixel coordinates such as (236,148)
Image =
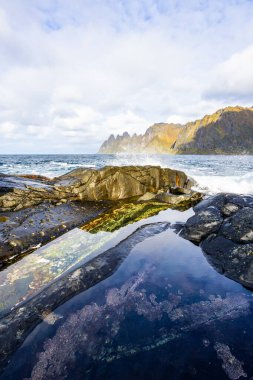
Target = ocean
(213,173)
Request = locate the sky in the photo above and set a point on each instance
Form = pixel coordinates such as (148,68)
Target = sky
(72,72)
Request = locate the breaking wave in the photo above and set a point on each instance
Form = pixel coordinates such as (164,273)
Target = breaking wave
(214,184)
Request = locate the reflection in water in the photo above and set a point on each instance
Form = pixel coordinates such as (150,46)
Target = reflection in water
(21,320)
(124,214)
(26,277)
(163,314)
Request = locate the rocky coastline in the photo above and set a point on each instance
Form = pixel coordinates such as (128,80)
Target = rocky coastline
(35,210)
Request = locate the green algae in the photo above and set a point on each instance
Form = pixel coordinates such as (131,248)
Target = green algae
(123,215)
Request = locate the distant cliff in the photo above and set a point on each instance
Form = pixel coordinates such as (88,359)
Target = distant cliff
(227,131)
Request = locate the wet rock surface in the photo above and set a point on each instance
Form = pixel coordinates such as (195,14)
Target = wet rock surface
(223,226)
(35,210)
(108,183)
(24,230)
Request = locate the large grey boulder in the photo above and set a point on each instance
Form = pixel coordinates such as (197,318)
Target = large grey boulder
(108,183)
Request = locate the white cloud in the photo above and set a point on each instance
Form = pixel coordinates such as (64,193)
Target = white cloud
(72,73)
(234,77)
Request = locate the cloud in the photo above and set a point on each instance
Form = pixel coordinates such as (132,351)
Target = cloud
(234,78)
(72,73)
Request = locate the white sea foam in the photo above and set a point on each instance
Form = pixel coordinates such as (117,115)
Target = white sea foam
(136,159)
(213,184)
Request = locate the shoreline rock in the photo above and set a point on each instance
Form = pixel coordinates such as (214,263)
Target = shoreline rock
(35,210)
(223,227)
(22,231)
(83,184)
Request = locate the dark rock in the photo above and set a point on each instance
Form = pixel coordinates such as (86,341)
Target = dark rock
(248,200)
(239,227)
(204,223)
(179,190)
(216,201)
(223,225)
(238,200)
(27,229)
(229,258)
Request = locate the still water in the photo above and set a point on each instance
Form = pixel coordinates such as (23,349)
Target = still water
(162,313)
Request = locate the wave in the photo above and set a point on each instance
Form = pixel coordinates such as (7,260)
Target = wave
(122,159)
(65,164)
(214,184)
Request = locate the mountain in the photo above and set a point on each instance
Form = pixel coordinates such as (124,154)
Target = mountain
(227,131)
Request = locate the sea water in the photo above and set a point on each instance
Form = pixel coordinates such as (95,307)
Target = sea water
(213,173)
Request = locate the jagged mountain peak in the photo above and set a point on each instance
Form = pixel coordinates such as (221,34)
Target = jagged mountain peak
(227,131)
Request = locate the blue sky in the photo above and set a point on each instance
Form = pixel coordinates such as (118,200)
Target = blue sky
(73,72)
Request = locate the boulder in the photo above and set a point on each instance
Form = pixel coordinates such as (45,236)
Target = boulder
(229,258)
(223,226)
(35,210)
(147,197)
(188,199)
(108,183)
(239,227)
(202,224)
(216,202)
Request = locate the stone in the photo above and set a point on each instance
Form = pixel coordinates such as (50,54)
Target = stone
(147,197)
(84,184)
(41,209)
(216,201)
(223,226)
(239,227)
(229,209)
(180,200)
(202,224)
(229,258)
(23,229)
(235,199)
